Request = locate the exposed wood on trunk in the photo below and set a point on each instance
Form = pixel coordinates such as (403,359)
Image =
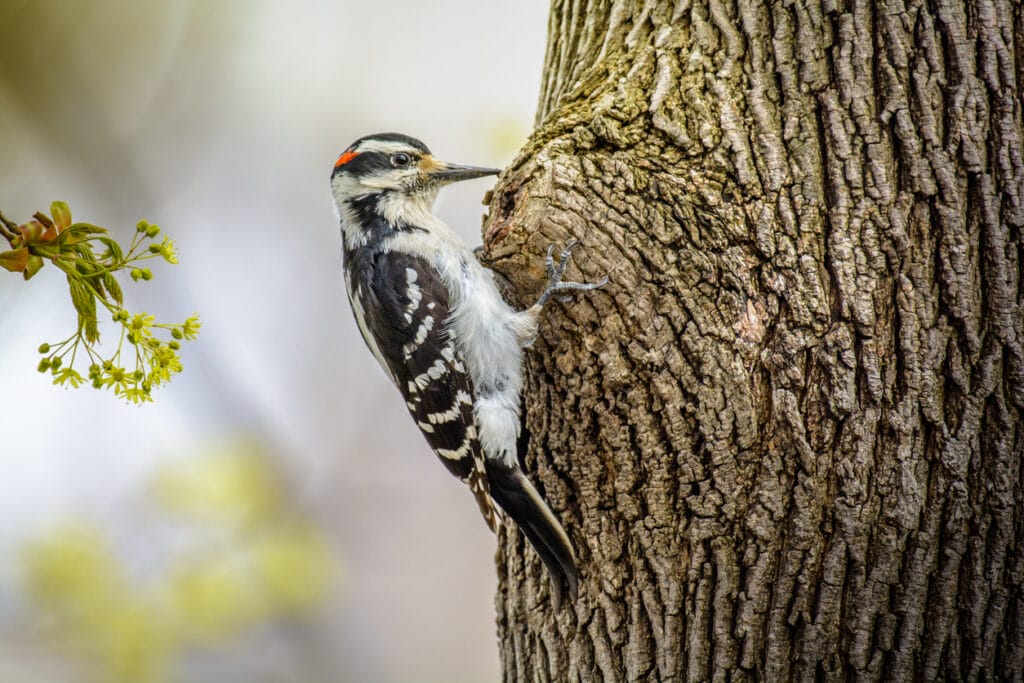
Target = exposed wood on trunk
(787,438)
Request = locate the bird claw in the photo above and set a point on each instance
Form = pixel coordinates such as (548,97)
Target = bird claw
(555,273)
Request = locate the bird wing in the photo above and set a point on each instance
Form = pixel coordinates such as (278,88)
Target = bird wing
(405,324)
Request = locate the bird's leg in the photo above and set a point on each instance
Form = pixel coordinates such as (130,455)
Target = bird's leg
(528,321)
(555,273)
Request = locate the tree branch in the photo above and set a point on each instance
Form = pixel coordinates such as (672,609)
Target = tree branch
(7,229)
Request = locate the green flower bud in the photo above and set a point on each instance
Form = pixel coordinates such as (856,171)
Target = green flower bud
(56,363)
(152,231)
(44,365)
(173,345)
(137,375)
(44,348)
(136,273)
(141,226)
(176,333)
(147,274)
(155,249)
(147,386)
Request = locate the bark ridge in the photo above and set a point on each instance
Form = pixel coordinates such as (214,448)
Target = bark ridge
(787,438)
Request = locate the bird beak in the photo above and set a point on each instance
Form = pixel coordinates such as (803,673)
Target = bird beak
(450,173)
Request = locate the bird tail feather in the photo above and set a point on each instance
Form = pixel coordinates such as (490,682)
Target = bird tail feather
(520,500)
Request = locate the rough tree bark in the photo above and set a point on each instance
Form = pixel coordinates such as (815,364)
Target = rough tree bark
(787,437)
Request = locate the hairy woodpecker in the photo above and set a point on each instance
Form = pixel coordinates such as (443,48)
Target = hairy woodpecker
(435,320)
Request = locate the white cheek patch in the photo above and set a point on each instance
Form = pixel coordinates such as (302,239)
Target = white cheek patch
(388,180)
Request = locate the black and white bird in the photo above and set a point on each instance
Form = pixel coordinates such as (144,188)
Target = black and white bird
(433,317)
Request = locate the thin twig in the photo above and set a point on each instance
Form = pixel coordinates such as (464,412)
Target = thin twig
(7,228)
(43,218)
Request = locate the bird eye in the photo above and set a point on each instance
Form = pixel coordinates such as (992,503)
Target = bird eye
(400,159)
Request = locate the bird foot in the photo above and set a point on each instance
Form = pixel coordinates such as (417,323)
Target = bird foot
(557,270)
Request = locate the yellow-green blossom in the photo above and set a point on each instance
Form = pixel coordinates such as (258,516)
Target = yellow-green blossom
(91,259)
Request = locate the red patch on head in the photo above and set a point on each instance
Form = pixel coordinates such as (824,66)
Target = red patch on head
(345,158)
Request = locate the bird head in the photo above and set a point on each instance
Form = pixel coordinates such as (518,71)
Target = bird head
(392,163)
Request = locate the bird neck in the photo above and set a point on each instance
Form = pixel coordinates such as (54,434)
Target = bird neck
(374,218)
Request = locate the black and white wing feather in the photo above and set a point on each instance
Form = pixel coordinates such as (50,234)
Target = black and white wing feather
(402,309)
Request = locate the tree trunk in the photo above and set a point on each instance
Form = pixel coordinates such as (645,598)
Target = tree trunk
(787,438)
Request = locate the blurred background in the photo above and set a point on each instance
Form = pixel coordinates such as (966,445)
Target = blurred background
(274,515)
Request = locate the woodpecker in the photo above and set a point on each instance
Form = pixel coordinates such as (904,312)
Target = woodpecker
(434,319)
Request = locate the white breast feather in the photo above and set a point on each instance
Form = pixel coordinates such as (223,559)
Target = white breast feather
(486,330)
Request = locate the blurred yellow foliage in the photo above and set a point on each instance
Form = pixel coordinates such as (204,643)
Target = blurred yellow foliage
(292,569)
(251,559)
(213,601)
(234,487)
(74,568)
